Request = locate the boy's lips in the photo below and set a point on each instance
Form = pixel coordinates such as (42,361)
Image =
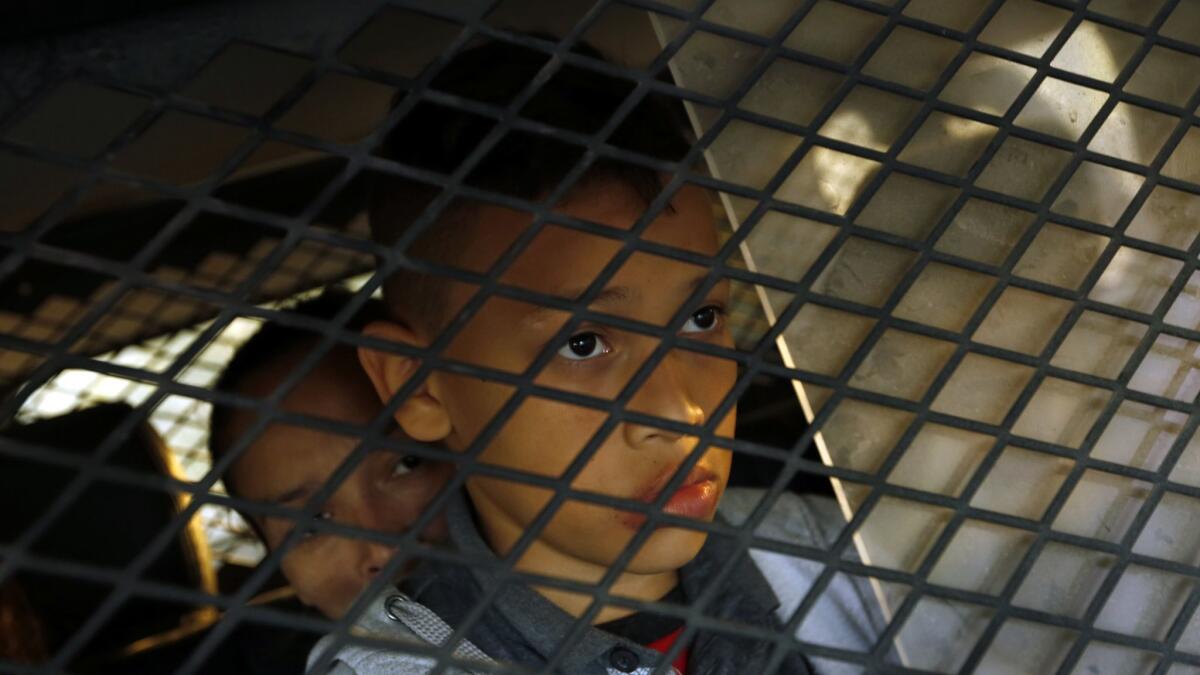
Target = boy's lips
(695,498)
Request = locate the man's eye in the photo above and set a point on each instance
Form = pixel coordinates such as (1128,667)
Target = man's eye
(405,465)
(703,319)
(584,346)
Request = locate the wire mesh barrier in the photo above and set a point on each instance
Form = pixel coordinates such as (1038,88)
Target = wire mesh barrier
(816,336)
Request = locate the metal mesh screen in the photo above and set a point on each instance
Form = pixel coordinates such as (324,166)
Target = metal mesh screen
(961,241)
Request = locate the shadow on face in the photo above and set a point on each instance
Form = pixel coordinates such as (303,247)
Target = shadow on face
(288,464)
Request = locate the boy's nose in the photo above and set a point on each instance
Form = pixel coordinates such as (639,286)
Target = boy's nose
(373,558)
(664,394)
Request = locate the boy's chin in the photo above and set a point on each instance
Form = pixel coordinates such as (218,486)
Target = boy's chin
(668,549)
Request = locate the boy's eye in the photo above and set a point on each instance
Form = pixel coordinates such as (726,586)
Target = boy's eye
(405,465)
(584,346)
(309,534)
(703,319)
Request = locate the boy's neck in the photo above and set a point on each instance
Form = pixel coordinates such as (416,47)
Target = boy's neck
(629,585)
(541,558)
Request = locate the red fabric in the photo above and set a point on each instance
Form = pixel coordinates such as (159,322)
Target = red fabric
(664,643)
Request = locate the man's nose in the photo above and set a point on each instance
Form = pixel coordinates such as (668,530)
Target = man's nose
(665,394)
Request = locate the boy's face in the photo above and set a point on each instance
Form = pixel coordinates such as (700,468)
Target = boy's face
(543,436)
(288,464)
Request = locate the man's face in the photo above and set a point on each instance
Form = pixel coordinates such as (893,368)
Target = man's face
(543,436)
(288,464)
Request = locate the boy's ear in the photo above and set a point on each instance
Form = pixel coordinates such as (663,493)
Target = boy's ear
(422,416)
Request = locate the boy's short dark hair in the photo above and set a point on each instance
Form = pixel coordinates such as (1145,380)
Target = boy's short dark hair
(275,341)
(522,164)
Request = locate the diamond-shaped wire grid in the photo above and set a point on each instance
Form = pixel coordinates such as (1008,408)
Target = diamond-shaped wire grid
(969,229)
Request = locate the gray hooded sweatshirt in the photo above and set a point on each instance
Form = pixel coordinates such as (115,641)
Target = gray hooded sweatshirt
(521,626)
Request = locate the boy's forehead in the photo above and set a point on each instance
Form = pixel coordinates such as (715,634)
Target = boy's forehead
(562,261)
(332,387)
(285,455)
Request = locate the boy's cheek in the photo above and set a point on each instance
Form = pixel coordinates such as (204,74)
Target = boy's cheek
(728,424)
(273,531)
(721,461)
(471,404)
(603,383)
(543,436)
(715,376)
(487,338)
(318,584)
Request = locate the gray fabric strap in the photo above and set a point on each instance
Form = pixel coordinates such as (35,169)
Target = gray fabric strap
(427,625)
(395,616)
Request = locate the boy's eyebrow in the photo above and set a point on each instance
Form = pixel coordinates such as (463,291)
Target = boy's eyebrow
(303,491)
(611,295)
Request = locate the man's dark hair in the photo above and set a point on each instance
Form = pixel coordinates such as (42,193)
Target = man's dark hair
(522,164)
(275,341)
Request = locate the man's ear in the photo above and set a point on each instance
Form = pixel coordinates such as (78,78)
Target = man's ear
(422,416)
